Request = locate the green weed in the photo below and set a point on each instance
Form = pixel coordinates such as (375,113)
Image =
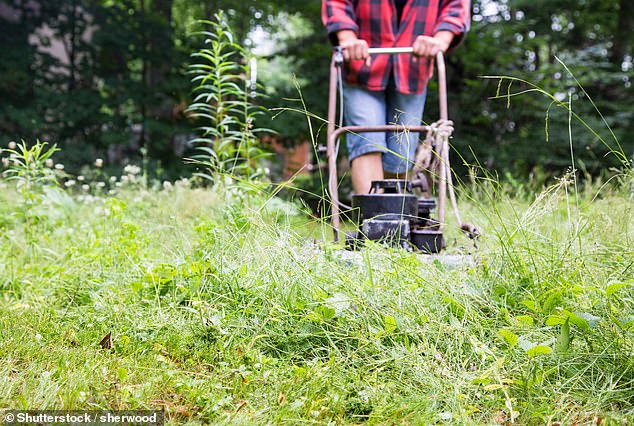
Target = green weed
(223,103)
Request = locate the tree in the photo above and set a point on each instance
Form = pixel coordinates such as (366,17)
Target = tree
(523,39)
(122,81)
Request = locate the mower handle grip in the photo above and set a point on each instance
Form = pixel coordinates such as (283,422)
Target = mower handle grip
(379,50)
(390,50)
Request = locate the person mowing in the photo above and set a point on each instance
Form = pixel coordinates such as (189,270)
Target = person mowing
(389,89)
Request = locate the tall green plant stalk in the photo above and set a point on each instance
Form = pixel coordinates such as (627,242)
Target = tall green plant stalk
(30,169)
(614,147)
(228,142)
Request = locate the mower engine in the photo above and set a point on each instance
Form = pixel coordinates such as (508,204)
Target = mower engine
(392,213)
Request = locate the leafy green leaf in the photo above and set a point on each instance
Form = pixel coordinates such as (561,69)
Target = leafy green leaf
(322,314)
(538,350)
(390,323)
(509,337)
(577,321)
(590,321)
(524,321)
(555,320)
(583,321)
(530,304)
(614,287)
(563,340)
(551,302)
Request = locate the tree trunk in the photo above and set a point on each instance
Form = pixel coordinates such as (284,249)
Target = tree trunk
(163,8)
(623,34)
(242,28)
(72,48)
(144,74)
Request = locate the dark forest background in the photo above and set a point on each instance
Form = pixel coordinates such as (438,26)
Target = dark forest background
(121,88)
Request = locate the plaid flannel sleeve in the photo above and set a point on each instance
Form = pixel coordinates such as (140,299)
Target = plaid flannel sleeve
(455,16)
(338,15)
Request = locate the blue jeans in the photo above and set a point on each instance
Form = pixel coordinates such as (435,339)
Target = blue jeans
(363,107)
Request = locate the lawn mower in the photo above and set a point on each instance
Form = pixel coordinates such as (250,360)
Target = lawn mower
(391,211)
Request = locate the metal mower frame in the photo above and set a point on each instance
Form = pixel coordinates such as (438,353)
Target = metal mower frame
(334,133)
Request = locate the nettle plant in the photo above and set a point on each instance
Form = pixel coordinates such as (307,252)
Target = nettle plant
(36,179)
(30,167)
(224,103)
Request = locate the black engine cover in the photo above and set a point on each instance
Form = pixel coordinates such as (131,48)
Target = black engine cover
(384,206)
(391,213)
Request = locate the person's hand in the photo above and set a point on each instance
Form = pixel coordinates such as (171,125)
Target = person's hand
(353,48)
(426,46)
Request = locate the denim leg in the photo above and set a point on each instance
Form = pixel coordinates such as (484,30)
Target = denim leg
(364,108)
(401,146)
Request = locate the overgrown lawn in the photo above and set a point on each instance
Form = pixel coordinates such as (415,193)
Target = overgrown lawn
(229,306)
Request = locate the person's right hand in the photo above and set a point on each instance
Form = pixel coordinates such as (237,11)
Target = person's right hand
(353,48)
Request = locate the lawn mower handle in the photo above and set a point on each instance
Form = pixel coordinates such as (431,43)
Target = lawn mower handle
(440,64)
(334,133)
(390,50)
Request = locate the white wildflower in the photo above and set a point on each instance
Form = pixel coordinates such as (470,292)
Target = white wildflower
(13,145)
(99,162)
(132,169)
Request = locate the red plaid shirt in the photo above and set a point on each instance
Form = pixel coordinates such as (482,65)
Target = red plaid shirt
(375,21)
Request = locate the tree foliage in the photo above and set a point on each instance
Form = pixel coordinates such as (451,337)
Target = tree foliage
(566,48)
(121,85)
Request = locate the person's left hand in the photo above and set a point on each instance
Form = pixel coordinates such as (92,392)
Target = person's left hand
(426,46)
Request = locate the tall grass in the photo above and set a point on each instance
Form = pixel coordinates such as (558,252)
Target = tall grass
(224,309)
